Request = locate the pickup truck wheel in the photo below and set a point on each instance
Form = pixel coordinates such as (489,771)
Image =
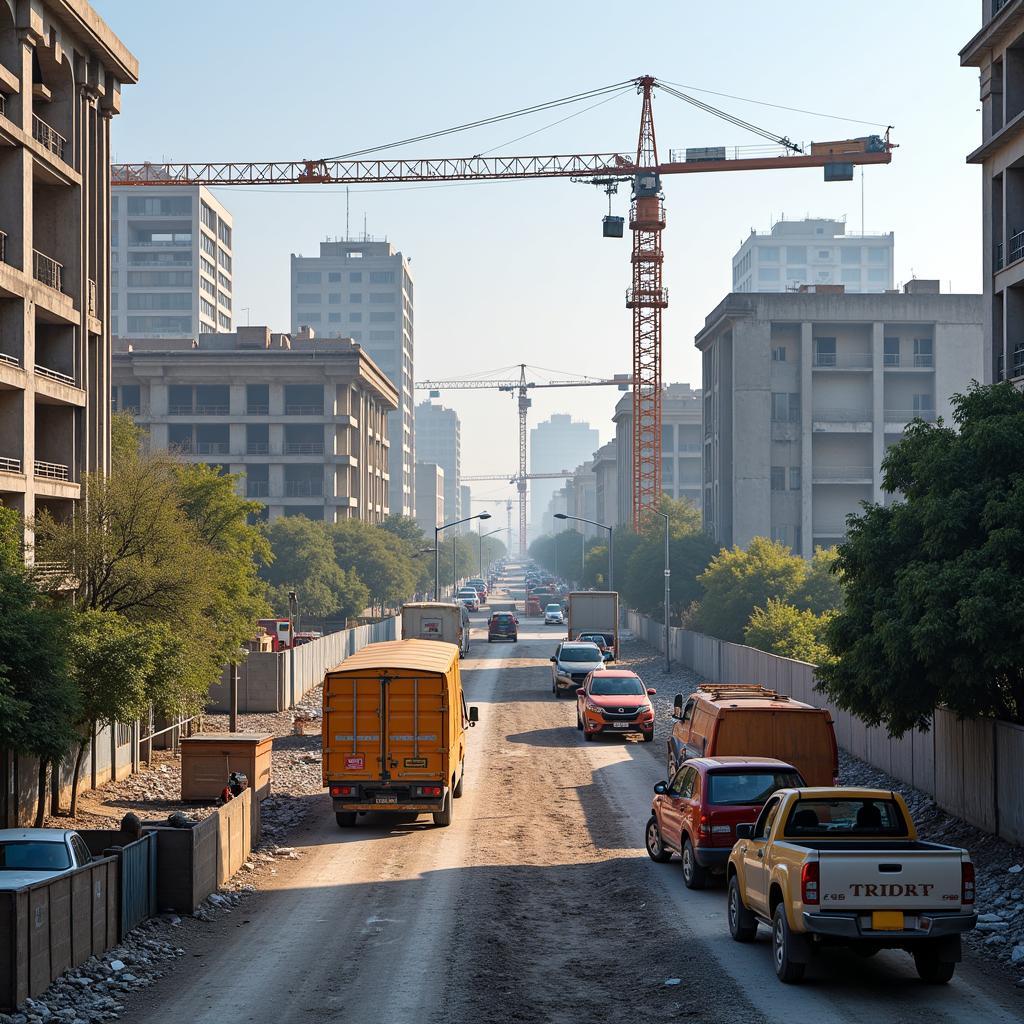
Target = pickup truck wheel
(931,969)
(345,819)
(652,840)
(742,923)
(443,817)
(786,969)
(694,876)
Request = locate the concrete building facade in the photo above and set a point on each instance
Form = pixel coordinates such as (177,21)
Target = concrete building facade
(302,419)
(61,72)
(439,440)
(466,503)
(581,499)
(680,448)
(363,290)
(811,252)
(556,444)
(605,470)
(803,394)
(997,51)
(430,510)
(171,262)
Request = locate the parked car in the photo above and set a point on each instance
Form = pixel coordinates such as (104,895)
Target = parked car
(29,855)
(470,598)
(750,720)
(571,664)
(614,701)
(553,615)
(502,626)
(831,866)
(695,814)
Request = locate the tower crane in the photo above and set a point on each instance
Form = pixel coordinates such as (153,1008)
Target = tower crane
(521,388)
(647,297)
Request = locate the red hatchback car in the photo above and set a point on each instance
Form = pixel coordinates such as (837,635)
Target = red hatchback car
(695,814)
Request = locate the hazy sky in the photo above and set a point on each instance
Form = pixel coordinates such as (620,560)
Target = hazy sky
(510,272)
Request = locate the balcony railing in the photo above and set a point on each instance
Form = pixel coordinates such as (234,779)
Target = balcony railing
(63,378)
(10,465)
(1016,247)
(303,447)
(180,410)
(998,5)
(906,415)
(48,136)
(257,488)
(257,448)
(161,243)
(10,360)
(183,447)
(212,447)
(924,359)
(830,530)
(211,410)
(3,104)
(841,415)
(257,410)
(303,410)
(47,270)
(303,488)
(92,297)
(3,239)
(843,360)
(826,473)
(51,470)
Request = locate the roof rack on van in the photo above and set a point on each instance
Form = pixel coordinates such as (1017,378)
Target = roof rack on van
(742,691)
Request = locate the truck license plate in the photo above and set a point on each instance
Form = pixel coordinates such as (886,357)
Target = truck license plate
(393,799)
(887,921)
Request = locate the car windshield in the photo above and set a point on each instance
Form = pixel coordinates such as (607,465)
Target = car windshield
(554,608)
(593,639)
(837,819)
(625,686)
(749,787)
(502,620)
(34,855)
(588,653)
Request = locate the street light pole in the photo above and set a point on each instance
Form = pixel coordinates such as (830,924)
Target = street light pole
(293,614)
(437,562)
(611,552)
(668,594)
(437,556)
(481,539)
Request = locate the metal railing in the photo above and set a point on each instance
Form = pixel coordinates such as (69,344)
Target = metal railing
(841,415)
(47,270)
(3,241)
(152,244)
(257,410)
(257,489)
(10,465)
(925,359)
(829,531)
(843,360)
(92,297)
(842,473)
(212,410)
(180,410)
(62,378)
(257,448)
(3,104)
(12,360)
(212,447)
(303,488)
(303,410)
(51,470)
(303,447)
(48,136)
(645,297)
(906,415)
(1016,250)
(998,5)
(891,359)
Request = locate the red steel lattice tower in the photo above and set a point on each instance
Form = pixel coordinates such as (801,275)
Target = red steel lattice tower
(647,298)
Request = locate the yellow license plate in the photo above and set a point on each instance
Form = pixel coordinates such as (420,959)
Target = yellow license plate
(887,921)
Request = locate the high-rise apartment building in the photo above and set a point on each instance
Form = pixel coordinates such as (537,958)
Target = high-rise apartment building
(466,502)
(171,262)
(61,72)
(303,420)
(363,290)
(557,444)
(605,471)
(430,511)
(997,51)
(813,252)
(680,447)
(439,440)
(803,394)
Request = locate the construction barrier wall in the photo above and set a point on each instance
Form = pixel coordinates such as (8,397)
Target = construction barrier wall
(972,768)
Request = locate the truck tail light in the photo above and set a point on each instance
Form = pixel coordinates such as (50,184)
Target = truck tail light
(809,875)
(343,790)
(429,790)
(966,882)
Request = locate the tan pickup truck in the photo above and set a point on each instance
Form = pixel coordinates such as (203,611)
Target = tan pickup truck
(835,866)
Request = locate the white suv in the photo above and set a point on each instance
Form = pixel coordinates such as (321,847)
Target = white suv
(553,615)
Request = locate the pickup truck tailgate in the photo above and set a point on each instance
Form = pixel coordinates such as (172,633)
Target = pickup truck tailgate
(890,879)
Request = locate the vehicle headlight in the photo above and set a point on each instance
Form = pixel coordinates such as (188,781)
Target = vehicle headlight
(591,706)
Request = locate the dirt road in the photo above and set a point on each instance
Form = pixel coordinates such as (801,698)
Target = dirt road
(537,905)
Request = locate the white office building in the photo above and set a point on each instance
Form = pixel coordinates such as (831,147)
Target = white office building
(439,440)
(813,252)
(363,290)
(170,262)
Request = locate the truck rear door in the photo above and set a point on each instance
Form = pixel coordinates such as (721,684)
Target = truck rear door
(352,728)
(894,879)
(415,717)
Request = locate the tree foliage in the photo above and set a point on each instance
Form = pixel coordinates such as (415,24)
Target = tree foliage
(933,582)
(791,632)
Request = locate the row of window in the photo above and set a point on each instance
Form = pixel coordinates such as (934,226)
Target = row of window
(779,475)
(316,317)
(334,298)
(826,354)
(168,206)
(159,300)
(800,274)
(355,277)
(799,254)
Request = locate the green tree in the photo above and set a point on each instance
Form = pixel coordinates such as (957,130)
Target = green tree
(783,629)
(822,589)
(934,595)
(386,568)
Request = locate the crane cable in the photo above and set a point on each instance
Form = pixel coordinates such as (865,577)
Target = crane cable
(537,108)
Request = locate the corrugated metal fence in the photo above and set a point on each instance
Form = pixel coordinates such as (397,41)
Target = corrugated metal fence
(972,768)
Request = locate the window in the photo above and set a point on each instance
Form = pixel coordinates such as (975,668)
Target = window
(334,277)
(207,216)
(164,324)
(311,318)
(207,309)
(824,351)
(355,298)
(850,254)
(225,321)
(356,277)
(824,277)
(334,318)
(796,274)
(208,245)
(891,351)
(224,281)
(794,478)
(837,819)
(382,277)
(778,478)
(683,784)
(851,277)
(159,300)
(381,297)
(798,540)
(923,355)
(355,318)
(334,298)
(746,788)
(208,267)
(668,438)
(768,254)
(130,397)
(796,253)
(877,275)
(382,335)
(779,354)
(224,260)
(224,233)
(169,206)
(159,279)
(924,406)
(224,300)
(824,254)
(878,255)
(786,407)
(207,286)
(113,300)
(382,318)
(307,299)
(769,274)
(307,277)
(1017,366)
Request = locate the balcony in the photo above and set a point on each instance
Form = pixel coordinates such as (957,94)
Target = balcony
(906,415)
(303,410)
(304,448)
(48,137)
(47,271)
(842,361)
(51,470)
(257,448)
(257,410)
(924,360)
(211,448)
(257,488)
(1016,251)
(10,360)
(61,378)
(180,410)
(211,410)
(842,474)
(857,415)
(303,488)
(9,465)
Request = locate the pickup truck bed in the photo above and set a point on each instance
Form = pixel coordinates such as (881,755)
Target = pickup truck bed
(861,845)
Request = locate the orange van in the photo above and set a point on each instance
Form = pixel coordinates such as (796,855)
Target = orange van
(752,721)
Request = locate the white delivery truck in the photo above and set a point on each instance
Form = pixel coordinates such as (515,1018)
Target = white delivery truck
(595,611)
(434,620)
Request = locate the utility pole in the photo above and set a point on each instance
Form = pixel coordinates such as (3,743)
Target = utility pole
(668,595)
(293,614)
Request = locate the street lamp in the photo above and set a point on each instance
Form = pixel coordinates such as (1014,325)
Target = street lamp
(591,522)
(481,536)
(668,591)
(293,614)
(437,536)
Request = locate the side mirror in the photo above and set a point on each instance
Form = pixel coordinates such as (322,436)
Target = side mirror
(474,716)
(677,706)
(609,656)
(661,787)
(744,831)
(580,691)
(651,691)
(552,659)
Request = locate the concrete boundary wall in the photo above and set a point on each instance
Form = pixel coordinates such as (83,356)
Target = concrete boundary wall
(972,768)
